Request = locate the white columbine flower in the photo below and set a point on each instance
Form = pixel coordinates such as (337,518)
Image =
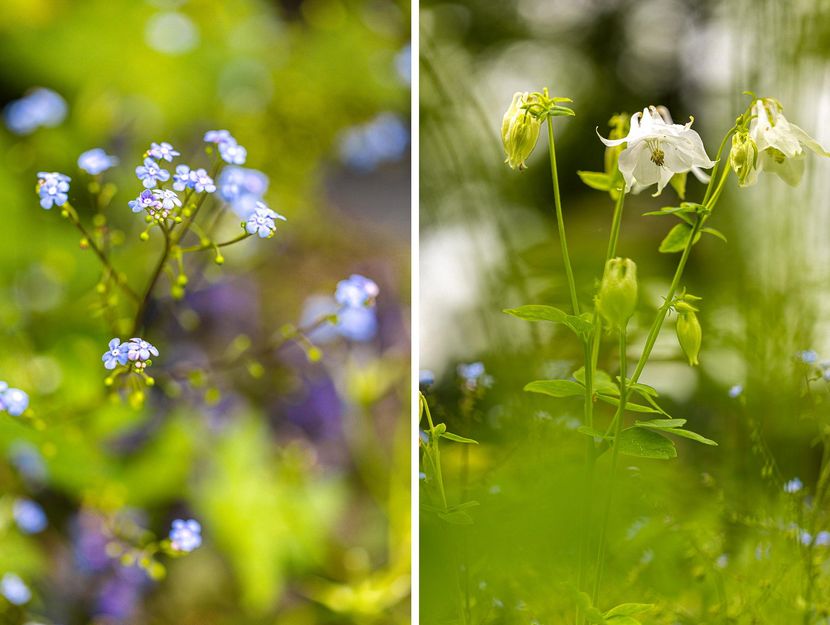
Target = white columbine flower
(657,149)
(780,144)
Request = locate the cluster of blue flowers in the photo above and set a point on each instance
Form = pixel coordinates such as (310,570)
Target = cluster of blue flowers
(53,189)
(136,352)
(41,107)
(185,535)
(356,316)
(13,400)
(197,179)
(242,189)
(474,376)
(230,151)
(382,140)
(14,589)
(157,203)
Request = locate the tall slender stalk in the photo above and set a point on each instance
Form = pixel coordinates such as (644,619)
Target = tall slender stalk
(618,418)
(560,223)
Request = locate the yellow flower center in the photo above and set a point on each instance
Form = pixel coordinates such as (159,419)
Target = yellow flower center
(657,155)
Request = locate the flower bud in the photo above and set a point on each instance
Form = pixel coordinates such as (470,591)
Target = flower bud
(689,333)
(519,131)
(617,297)
(743,158)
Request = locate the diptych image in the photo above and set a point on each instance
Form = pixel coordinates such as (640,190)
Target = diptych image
(455,312)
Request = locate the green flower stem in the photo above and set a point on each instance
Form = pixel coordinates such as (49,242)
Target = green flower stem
(618,418)
(210,245)
(559,221)
(138,322)
(72,215)
(434,452)
(714,173)
(591,358)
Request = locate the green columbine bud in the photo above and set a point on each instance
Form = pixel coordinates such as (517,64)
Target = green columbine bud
(743,157)
(689,332)
(617,297)
(519,130)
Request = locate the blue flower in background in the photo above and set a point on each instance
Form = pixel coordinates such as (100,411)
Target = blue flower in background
(162,151)
(242,188)
(116,354)
(96,161)
(474,375)
(218,136)
(41,107)
(185,535)
(808,356)
(150,173)
(53,189)
(14,589)
(736,391)
(232,153)
(356,291)
(385,139)
(793,486)
(27,460)
(262,222)
(403,63)
(29,516)
(357,323)
(426,378)
(13,400)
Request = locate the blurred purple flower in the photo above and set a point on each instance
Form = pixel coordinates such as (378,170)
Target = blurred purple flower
(384,139)
(185,535)
(14,589)
(357,323)
(13,400)
(356,291)
(232,153)
(242,188)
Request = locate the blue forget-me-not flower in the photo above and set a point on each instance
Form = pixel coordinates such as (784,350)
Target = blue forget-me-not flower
(262,222)
(185,535)
(13,400)
(14,589)
(151,173)
(162,151)
(53,189)
(96,161)
(29,516)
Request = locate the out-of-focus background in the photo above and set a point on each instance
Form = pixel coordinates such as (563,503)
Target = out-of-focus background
(297,469)
(710,537)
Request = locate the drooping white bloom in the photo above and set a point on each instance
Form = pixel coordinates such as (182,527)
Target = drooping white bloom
(781,145)
(656,149)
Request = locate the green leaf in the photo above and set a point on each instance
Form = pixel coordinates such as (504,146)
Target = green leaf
(458,439)
(614,401)
(581,326)
(716,233)
(629,609)
(596,180)
(537,312)
(661,423)
(645,443)
(643,389)
(692,436)
(677,239)
(556,388)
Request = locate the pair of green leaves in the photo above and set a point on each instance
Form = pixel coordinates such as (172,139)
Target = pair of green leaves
(580,325)
(645,439)
(678,237)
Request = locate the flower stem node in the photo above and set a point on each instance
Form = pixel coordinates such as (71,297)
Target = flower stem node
(617,297)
